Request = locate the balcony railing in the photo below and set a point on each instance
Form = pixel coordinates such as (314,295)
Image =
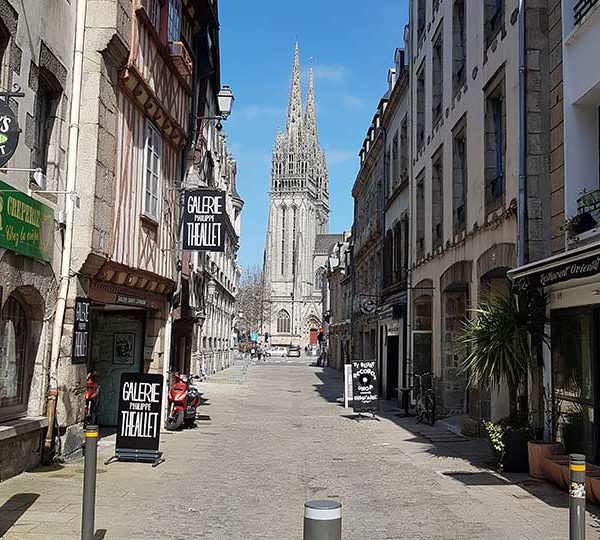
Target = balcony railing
(582,8)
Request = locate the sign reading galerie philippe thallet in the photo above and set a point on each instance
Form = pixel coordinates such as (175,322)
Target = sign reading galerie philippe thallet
(140,398)
(204,220)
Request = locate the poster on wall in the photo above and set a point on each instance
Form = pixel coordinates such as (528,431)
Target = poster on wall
(204,220)
(364,387)
(81,331)
(123,349)
(138,425)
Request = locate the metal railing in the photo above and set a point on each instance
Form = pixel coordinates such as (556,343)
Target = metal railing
(582,8)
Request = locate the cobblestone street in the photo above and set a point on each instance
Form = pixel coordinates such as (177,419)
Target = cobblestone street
(265,446)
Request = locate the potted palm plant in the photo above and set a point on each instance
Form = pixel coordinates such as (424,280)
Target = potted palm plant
(497,340)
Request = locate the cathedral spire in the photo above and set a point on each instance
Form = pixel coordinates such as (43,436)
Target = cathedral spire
(294,116)
(310,116)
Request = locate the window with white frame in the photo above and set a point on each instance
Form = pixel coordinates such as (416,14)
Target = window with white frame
(152,172)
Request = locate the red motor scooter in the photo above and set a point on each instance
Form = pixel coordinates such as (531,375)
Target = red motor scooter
(92,392)
(184,399)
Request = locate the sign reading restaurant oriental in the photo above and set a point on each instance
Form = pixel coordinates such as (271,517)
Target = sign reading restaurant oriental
(584,267)
(204,220)
(26,225)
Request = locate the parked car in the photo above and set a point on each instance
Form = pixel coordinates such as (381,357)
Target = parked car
(277,350)
(294,350)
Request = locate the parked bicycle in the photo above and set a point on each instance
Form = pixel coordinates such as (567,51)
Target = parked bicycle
(425,406)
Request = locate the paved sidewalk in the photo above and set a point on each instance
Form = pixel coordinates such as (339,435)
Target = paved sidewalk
(264,447)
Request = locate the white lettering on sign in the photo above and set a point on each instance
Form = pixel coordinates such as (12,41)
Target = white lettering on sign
(141,391)
(204,234)
(205,204)
(139,424)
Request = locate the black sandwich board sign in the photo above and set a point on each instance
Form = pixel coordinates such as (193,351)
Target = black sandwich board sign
(81,331)
(364,387)
(204,220)
(138,425)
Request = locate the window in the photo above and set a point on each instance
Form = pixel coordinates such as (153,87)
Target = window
(421,107)
(152,172)
(294,225)
(494,19)
(437,80)
(283,322)
(155,8)
(420,217)
(395,168)
(404,151)
(46,104)
(4,58)
(282,239)
(319,277)
(573,378)
(388,164)
(174,21)
(421,20)
(14,375)
(437,198)
(495,143)
(459,45)
(459,177)
(388,258)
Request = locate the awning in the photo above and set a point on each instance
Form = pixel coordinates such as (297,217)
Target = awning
(573,264)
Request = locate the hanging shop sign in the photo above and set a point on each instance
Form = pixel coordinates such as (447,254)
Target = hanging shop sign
(364,387)
(581,268)
(204,220)
(26,225)
(81,331)
(138,426)
(9,132)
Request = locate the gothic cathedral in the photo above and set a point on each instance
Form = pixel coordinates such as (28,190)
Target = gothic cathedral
(298,215)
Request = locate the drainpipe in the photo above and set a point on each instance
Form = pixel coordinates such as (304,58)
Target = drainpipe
(71,184)
(522,186)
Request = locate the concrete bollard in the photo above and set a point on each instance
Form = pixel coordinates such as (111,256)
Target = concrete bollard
(577,497)
(89,483)
(322,520)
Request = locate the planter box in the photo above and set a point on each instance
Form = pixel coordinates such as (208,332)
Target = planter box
(537,451)
(552,467)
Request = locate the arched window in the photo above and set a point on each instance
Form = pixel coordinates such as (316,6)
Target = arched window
(319,276)
(283,322)
(14,375)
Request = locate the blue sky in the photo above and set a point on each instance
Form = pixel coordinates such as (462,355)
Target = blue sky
(351,43)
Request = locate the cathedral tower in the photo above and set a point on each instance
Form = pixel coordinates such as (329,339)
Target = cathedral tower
(298,213)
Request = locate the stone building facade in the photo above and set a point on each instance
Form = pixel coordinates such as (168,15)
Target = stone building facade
(298,214)
(479,157)
(36,55)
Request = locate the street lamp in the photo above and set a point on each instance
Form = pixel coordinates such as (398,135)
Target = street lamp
(225,101)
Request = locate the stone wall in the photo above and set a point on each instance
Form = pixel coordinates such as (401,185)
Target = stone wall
(20,453)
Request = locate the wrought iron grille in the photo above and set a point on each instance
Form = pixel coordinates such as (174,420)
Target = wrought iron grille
(582,8)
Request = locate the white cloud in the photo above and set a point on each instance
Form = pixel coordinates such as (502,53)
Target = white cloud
(353,102)
(335,156)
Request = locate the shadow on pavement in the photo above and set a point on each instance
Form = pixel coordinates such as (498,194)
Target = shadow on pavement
(100,534)
(331,387)
(12,510)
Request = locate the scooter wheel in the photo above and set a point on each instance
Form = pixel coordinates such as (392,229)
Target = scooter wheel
(172,423)
(190,422)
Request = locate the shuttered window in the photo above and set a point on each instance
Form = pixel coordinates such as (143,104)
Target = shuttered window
(152,172)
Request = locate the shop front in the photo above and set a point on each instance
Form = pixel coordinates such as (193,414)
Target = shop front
(572,359)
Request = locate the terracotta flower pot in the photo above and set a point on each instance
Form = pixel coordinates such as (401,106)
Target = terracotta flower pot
(592,486)
(537,450)
(553,466)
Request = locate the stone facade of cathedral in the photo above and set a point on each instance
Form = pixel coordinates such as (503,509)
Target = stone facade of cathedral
(298,223)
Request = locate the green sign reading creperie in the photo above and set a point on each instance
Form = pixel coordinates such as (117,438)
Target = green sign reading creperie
(26,225)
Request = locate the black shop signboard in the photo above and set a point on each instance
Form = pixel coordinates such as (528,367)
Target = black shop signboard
(364,387)
(204,220)
(138,427)
(81,330)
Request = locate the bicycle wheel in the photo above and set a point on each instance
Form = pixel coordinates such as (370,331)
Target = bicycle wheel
(430,406)
(419,412)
